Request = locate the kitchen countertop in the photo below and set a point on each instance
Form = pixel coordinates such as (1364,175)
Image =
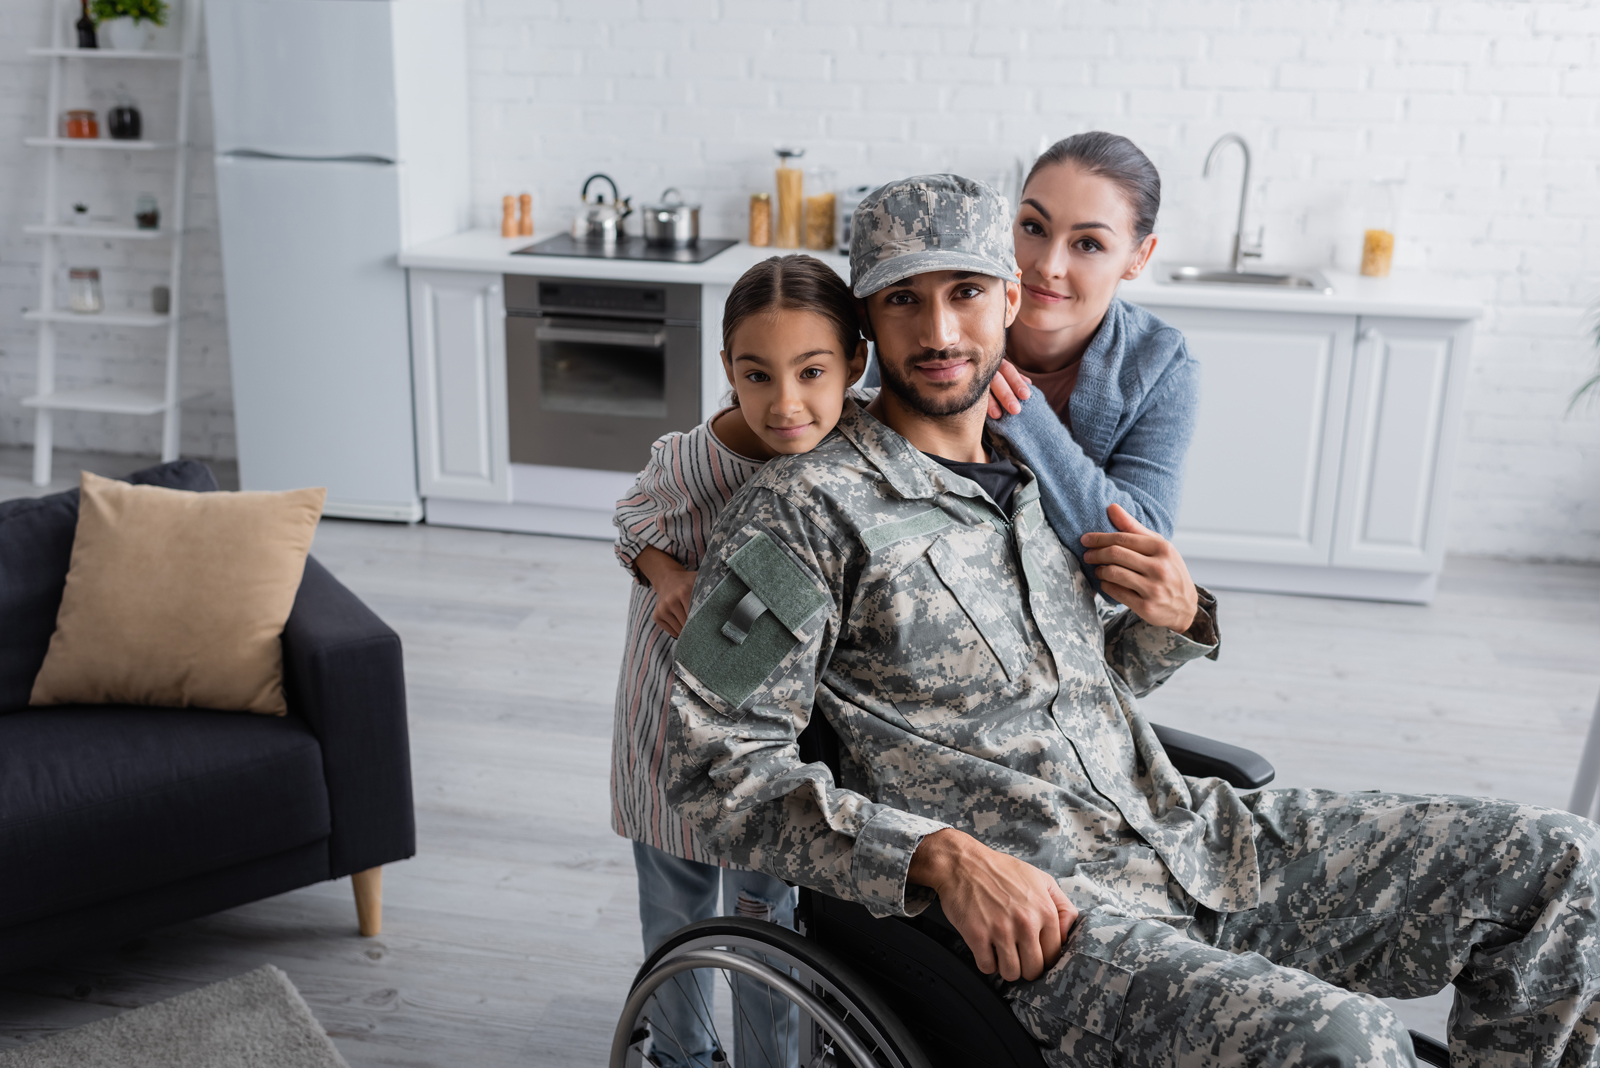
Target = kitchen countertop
(1401,296)
(486,250)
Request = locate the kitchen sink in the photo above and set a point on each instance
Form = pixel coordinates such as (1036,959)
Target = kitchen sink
(1312,280)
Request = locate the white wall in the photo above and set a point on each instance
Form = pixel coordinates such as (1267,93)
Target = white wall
(108,182)
(1488,111)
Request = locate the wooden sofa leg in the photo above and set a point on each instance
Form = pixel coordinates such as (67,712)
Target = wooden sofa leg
(369,900)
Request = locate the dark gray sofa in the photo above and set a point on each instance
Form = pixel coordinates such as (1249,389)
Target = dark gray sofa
(116,820)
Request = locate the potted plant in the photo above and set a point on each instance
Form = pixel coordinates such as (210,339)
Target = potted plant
(1591,388)
(127,23)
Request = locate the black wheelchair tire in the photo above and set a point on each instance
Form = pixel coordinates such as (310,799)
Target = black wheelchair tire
(847,984)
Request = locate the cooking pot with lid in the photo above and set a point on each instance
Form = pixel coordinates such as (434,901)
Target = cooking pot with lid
(597,220)
(671,223)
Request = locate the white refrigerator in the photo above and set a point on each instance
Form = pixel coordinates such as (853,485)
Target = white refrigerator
(341,137)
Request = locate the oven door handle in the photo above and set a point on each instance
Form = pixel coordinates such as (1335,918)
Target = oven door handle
(656,340)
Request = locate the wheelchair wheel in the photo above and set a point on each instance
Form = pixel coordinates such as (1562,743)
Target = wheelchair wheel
(783,1003)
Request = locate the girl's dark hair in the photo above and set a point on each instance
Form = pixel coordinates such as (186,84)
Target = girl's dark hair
(797,283)
(1119,161)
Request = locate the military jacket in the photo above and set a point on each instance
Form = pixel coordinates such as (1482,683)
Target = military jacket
(959,656)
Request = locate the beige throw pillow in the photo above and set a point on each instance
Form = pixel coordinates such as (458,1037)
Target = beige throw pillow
(177,598)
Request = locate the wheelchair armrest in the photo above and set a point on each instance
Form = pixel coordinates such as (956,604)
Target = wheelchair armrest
(1203,757)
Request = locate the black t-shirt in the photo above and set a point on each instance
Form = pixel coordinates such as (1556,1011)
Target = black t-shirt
(999,477)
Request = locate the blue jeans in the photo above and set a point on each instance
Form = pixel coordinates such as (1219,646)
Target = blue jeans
(674,892)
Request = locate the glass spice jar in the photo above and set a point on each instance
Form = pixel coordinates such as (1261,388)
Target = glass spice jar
(80,124)
(146,213)
(761,219)
(83,290)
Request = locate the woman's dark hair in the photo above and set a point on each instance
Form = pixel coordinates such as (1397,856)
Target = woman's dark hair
(1119,161)
(797,283)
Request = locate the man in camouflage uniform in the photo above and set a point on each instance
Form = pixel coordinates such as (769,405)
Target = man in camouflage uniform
(994,751)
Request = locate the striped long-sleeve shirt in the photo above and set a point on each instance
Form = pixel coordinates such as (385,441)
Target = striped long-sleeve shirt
(672,507)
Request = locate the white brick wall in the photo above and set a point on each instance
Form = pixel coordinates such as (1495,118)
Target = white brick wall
(108,182)
(1488,111)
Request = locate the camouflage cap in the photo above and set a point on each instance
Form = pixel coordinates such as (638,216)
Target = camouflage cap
(933,222)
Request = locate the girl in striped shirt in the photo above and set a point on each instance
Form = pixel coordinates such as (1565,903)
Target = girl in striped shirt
(791,347)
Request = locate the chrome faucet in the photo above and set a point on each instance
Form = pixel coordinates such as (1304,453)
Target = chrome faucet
(1240,250)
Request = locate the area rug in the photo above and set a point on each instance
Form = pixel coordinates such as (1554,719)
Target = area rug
(257,1020)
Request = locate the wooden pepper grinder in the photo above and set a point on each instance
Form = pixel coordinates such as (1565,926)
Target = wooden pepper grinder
(508,216)
(525,215)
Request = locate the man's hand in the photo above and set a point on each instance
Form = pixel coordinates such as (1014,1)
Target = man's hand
(673,585)
(1013,916)
(1141,569)
(1008,390)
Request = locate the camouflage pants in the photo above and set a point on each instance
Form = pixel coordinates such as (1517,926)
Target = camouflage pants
(1363,896)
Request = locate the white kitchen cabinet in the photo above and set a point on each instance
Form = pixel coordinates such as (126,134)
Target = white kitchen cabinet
(1321,456)
(1322,450)
(1263,467)
(1400,444)
(458,366)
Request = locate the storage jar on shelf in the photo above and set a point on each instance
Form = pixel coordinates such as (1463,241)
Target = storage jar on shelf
(146,213)
(80,124)
(83,290)
(123,122)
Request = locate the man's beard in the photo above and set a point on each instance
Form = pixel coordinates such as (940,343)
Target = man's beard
(941,404)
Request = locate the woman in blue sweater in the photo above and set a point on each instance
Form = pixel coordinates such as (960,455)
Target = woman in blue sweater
(1111,407)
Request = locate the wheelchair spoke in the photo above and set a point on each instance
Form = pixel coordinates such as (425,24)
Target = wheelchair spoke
(772,1029)
(845,1016)
(676,1041)
(708,1019)
(749,1027)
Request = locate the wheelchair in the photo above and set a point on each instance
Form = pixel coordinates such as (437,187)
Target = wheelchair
(847,989)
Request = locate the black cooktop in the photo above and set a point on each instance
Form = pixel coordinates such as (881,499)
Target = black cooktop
(626,248)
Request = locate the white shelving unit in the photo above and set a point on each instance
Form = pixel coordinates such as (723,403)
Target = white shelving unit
(49,315)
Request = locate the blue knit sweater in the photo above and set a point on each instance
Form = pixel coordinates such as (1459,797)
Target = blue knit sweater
(1133,412)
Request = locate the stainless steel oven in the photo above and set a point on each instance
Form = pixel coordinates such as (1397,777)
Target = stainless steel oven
(596,371)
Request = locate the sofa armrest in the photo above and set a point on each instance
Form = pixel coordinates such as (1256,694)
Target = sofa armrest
(343,673)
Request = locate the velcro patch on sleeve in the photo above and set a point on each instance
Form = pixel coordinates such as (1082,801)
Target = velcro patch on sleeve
(754,618)
(783,585)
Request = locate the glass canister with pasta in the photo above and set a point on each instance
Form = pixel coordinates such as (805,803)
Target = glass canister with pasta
(1382,218)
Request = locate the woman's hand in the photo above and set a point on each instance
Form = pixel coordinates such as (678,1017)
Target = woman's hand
(1009,388)
(673,584)
(1141,569)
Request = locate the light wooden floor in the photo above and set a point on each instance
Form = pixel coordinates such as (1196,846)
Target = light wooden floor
(512,936)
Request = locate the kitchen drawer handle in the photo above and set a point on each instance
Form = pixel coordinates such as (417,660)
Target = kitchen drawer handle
(656,340)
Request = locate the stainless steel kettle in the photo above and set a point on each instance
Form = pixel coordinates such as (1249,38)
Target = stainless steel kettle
(597,220)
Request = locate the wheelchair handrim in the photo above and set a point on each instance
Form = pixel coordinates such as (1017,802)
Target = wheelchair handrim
(864,1008)
(717,958)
